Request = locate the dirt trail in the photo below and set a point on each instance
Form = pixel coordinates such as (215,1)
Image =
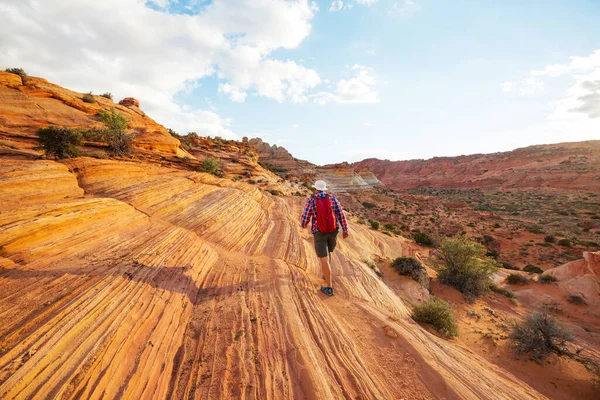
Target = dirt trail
(138,282)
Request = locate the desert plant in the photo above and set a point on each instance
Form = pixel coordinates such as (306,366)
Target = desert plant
(564,242)
(437,313)
(88,98)
(462,263)
(389,227)
(516,279)
(60,142)
(575,299)
(547,279)
(509,265)
(533,269)
(368,205)
(550,239)
(374,224)
(119,142)
(410,266)
(211,165)
(17,71)
(504,292)
(422,239)
(274,192)
(107,95)
(539,335)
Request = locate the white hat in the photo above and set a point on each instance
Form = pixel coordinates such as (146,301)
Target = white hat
(320,185)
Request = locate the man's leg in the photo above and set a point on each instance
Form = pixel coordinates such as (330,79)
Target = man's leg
(326,270)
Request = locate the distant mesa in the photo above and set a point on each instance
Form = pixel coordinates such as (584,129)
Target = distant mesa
(130,102)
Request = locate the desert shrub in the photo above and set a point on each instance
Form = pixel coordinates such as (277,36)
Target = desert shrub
(59,142)
(575,299)
(504,292)
(539,335)
(374,224)
(547,279)
(533,269)
(115,124)
(211,165)
(550,239)
(173,133)
(508,265)
(437,313)
(88,98)
(410,266)
(274,192)
(368,205)
(107,95)
(535,229)
(389,227)
(186,160)
(17,71)
(462,263)
(252,181)
(422,239)
(516,279)
(564,242)
(492,253)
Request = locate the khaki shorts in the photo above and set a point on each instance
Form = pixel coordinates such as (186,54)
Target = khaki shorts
(325,243)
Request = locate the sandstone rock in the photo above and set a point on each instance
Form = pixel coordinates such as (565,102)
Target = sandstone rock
(130,102)
(10,80)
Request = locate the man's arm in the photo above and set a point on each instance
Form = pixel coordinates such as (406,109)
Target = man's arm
(307,214)
(341,216)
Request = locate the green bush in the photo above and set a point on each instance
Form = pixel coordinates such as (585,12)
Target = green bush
(115,124)
(274,192)
(88,98)
(516,279)
(547,279)
(575,299)
(437,313)
(107,95)
(368,205)
(389,227)
(374,224)
(410,266)
(564,242)
(59,142)
(508,265)
(539,335)
(16,71)
(550,239)
(504,292)
(462,263)
(211,165)
(533,269)
(422,239)
(535,229)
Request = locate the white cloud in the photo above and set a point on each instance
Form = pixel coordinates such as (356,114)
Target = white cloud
(369,124)
(295,126)
(359,89)
(530,86)
(507,86)
(405,8)
(336,5)
(129,49)
(366,2)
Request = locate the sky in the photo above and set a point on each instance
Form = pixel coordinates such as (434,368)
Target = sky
(331,81)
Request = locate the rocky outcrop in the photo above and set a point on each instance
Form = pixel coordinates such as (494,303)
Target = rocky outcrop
(128,280)
(30,103)
(571,166)
(279,160)
(130,102)
(343,178)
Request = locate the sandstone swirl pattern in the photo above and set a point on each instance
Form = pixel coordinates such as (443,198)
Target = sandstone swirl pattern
(126,280)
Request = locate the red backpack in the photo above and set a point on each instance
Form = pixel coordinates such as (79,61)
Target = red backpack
(325,217)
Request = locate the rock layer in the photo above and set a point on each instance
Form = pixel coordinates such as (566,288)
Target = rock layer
(127,280)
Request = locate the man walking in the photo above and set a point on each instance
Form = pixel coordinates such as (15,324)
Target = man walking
(326,215)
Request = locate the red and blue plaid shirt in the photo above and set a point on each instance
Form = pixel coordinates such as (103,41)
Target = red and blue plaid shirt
(310,212)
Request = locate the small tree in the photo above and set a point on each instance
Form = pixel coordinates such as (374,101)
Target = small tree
(119,142)
(107,95)
(60,142)
(540,335)
(462,263)
(89,98)
(423,239)
(16,71)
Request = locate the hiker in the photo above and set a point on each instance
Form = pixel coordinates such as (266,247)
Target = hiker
(327,215)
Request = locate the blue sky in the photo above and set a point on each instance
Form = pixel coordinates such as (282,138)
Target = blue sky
(342,80)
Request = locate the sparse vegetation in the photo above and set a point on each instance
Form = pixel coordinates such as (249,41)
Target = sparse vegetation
(211,165)
(410,266)
(550,239)
(564,242)
(88,98)
(60,142)
(368,205)
(547,279)
(575,299)
(422,239)
(517,279)
(17,71)
(107,95)
(374,224)
(114,134)
(274,192)
(539,335)
(462,263)
(437,313)
(504,292)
